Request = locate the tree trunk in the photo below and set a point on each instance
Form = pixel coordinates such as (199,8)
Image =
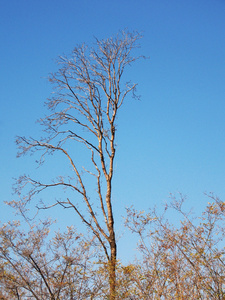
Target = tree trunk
(112,270)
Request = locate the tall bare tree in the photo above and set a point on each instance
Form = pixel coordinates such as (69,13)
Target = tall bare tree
(89,91)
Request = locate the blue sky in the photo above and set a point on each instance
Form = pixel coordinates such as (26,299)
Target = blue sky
(173,140)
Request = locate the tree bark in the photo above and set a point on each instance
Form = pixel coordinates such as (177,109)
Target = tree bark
(112,269)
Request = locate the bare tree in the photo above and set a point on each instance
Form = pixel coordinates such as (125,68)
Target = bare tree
(32,266)
(182,261)
(89,91)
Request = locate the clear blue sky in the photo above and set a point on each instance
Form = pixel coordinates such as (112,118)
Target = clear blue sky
(173,139)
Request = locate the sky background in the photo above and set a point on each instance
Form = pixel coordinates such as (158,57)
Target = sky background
(173,140)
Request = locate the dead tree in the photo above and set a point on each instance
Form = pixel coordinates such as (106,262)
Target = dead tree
(89,89)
